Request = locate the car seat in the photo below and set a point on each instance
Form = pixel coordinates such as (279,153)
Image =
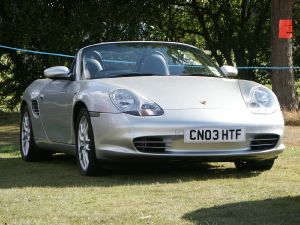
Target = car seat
(92,64)
(154,63)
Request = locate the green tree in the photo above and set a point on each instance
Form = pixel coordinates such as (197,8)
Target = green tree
(61,26)
(296,32)
(234,31)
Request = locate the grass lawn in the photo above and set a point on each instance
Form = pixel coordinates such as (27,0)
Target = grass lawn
(53,192)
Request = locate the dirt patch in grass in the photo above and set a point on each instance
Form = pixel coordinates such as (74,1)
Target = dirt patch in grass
(292,136)
(9,118)
(9,133)
(292,118)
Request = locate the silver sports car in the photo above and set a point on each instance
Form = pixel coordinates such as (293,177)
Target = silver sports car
(149,101)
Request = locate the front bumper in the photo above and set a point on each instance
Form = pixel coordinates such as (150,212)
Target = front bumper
(114,135)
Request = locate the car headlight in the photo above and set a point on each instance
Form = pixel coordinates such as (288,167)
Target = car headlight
(259,99)
(132,104)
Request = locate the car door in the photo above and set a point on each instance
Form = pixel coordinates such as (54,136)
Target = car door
(56,101)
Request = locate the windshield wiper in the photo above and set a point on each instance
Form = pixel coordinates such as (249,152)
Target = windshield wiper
(131,74)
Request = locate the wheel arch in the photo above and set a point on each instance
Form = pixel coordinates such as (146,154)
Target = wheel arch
(76,109)
(23,104)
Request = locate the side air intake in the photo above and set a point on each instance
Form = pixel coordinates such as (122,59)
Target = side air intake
(35,107)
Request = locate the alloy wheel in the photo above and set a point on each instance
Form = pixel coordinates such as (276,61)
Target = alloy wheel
(25,136)
(83,143)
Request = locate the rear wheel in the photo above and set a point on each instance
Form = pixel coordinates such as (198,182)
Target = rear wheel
(85,147)
(255,165)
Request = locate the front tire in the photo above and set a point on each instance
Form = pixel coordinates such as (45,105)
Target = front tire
(85,147)
(255,165)
(29,151)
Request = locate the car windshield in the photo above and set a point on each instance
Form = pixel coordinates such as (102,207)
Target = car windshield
(126,59)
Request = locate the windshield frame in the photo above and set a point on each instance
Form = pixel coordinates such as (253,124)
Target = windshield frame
(187,46)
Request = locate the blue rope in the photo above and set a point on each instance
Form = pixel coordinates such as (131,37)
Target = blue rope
(36,52)
(239,68)
(268,68)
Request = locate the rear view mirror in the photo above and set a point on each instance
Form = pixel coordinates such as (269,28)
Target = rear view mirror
(229,71)
(57,72)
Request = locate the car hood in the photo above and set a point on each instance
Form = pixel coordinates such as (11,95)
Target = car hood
(183,92)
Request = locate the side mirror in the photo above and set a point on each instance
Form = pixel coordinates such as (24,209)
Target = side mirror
(57,72)
(229,71)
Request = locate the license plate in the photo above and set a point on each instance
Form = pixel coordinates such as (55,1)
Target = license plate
(200,135)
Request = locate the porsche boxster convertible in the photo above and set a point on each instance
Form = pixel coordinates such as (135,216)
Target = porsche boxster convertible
(149,101)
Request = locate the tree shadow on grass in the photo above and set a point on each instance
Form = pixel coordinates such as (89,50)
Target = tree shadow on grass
(61,171)
(280,211)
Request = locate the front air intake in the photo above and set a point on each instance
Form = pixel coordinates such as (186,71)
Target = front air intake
(149,144)
(264,141)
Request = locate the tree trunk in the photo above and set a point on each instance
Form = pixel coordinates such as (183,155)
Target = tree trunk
(283,83)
